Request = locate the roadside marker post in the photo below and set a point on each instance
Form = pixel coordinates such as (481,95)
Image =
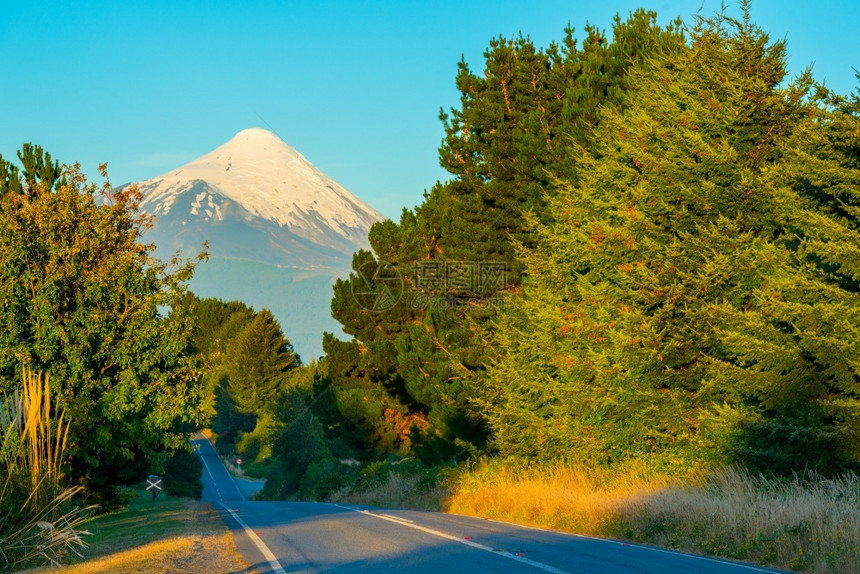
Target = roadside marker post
(239,464)
(154,483)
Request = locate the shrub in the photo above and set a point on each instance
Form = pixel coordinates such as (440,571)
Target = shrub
(183,475)
(324,476)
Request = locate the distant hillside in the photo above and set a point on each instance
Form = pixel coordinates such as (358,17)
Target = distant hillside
(300,299)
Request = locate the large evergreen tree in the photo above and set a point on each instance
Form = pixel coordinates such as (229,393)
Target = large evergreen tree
(248,363)
(415,365)
(257,366)
(695,296)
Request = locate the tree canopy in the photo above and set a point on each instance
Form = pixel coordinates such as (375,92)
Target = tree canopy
(82,298)
(677,229)
(414,367)
(695,296)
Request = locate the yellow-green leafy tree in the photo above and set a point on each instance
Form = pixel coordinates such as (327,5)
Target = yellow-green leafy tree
(81,297)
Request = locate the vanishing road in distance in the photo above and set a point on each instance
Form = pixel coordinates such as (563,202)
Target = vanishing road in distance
(279,537)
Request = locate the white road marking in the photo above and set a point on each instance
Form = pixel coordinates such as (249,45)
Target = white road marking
(221,498)
(239,490)
(631,545)
(397,518)
(261,546)
(215,484)
(278,569)
(409,524)
(707,558)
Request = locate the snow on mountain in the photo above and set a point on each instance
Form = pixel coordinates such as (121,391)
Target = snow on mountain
(257,198)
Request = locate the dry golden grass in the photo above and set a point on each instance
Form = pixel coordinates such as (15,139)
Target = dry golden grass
(44,525)
(806,523)
(583,501)
(191,554)
(166,535)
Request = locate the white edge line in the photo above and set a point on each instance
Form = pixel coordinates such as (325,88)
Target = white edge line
(267,554)
(230,474)
(238,490)
(236,484)
(699,557)
(397,518)
(631,545)
(277,567)
(503,553)
(261,546)
(211,476)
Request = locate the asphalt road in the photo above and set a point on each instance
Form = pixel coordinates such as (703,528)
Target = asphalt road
(321,537)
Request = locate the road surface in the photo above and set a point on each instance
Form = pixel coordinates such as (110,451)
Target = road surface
(310,537)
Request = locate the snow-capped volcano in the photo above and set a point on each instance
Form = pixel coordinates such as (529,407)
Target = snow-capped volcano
(257,198)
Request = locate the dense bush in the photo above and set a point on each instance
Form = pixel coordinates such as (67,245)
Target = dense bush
(183,475)
(324,476)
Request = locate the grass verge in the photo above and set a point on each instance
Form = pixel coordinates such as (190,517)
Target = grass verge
(177,535)
(805,523)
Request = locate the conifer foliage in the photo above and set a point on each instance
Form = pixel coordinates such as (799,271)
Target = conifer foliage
(410,372)
(695,296)
(259,361)
(248,363)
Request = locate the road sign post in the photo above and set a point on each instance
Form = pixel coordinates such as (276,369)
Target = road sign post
(239,464)
(154,484)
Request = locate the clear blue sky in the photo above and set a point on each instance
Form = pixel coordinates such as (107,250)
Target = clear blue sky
(355,86)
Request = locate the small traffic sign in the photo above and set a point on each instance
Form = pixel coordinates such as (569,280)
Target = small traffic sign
(239,461)
(154,483)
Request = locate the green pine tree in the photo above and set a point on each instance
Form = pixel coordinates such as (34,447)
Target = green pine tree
(415,366)
(259,362)
(681,296)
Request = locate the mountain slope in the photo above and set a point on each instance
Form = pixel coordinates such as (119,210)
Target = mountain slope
(257,198)
(279,230)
